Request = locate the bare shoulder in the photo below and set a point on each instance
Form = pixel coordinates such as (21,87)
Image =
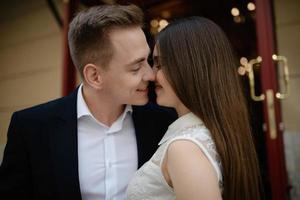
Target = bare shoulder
(185,150)
(191,173)
(187,155)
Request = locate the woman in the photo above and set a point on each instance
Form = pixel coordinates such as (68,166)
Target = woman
(207,153)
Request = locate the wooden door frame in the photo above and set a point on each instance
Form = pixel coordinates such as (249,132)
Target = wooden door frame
(266,44)
(69,71)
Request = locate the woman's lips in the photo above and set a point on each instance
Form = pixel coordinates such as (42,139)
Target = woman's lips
(157,88)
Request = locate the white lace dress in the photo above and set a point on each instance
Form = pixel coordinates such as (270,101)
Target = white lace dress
(149,182)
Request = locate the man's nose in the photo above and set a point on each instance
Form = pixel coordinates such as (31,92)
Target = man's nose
(149,74)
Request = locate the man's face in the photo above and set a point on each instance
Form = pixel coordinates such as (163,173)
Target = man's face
(128,74)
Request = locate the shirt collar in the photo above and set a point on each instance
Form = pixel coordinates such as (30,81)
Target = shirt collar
(182,122)
(118,124)
(83,110)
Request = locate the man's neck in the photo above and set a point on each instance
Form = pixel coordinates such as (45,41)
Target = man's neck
(102,108)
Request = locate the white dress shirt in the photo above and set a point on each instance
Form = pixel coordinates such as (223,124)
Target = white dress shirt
(107,156)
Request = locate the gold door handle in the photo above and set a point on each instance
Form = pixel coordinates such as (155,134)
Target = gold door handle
(247,67)
(252,62)
(271,113)
(283,59)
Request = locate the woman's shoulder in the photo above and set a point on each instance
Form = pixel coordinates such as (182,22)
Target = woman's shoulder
(187,163)
(195,143)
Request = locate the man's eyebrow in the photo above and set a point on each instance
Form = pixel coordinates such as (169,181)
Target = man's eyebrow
(136,61)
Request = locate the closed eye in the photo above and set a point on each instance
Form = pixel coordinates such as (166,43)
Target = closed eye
(136,70)
(137,67)
(156,67)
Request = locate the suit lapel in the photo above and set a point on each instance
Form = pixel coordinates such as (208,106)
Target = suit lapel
(150,122)
(144,131)
(64,148)
(138,133)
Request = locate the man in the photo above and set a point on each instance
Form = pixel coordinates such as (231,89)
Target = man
(89,144)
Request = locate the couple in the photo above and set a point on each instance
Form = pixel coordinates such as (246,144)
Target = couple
(89,144)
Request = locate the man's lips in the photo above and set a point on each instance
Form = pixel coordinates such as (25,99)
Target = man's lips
(142,90)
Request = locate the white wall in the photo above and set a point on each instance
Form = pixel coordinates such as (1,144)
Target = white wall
(31,58)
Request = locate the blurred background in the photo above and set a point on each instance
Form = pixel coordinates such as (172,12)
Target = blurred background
(36,67)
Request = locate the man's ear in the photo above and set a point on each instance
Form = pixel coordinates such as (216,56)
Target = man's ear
(93,75)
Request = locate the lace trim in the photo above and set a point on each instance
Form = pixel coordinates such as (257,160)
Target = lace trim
(200,136)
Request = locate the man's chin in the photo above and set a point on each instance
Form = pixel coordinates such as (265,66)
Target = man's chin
(140,102)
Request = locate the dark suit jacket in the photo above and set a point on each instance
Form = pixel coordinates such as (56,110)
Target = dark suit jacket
(40,158)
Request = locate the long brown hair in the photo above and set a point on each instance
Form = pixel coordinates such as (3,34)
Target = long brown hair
(200,65)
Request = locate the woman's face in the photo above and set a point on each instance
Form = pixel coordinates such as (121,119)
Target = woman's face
(165,93)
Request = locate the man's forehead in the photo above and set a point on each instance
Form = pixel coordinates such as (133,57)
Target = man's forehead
(122,34)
